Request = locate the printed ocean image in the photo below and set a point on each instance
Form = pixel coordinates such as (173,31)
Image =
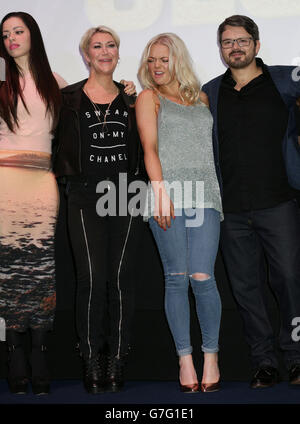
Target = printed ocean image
(28,211)
(28,200)
(27,283)
(26,158)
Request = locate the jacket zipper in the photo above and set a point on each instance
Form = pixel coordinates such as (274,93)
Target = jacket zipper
(79,139)
(137,169)
(138,161)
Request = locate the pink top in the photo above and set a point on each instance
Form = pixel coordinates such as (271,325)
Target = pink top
(34,131)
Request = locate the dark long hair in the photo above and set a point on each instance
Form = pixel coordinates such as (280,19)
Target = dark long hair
(46,85)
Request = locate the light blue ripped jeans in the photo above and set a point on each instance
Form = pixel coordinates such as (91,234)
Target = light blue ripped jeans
(186,251)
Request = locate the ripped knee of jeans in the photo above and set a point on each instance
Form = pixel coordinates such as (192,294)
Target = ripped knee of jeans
(200,276)
(177,280)
(202,282)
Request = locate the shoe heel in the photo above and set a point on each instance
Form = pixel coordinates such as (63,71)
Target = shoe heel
(189,388)
(210,387)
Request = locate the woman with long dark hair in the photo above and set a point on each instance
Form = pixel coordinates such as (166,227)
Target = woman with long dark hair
(98,142)
(29,108)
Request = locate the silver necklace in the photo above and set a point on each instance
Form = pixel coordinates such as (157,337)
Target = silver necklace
(98,111)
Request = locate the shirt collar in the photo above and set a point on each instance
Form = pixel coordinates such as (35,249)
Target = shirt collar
(259,62)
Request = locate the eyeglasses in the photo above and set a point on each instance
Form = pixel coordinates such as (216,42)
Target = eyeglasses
(242,42)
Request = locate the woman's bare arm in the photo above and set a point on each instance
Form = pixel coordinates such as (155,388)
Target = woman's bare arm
(146,114)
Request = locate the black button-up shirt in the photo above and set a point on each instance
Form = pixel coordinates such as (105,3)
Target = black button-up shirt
(251,126)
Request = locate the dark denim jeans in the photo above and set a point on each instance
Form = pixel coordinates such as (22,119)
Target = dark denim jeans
(185,251)
(245,237)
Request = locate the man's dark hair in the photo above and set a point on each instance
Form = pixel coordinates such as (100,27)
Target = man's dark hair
(240,21)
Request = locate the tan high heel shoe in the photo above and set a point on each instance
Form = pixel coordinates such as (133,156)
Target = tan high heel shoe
(189,388)
(193,387)
(210,387)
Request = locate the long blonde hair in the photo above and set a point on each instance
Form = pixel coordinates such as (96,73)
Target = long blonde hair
(180,65)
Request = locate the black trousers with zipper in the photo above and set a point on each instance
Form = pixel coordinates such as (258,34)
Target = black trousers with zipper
(105,249)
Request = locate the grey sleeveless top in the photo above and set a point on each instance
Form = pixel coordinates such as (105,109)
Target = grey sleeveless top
(186,155)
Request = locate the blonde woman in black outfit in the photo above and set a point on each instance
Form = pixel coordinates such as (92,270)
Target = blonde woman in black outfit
(98,142)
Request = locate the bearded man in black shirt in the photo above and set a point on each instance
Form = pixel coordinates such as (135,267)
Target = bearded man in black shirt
(258,165)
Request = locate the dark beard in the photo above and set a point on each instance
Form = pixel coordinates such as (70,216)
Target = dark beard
(237,64)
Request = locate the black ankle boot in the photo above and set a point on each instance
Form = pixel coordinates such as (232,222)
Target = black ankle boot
(39,368)
(115,373)
(17,376)
(94,374)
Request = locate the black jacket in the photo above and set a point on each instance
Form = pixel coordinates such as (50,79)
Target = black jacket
(66,150)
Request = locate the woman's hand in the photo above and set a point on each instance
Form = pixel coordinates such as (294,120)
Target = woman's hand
(130,88)
(163,208)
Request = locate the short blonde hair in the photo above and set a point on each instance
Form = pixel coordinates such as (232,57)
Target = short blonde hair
(86,38)
(180,65)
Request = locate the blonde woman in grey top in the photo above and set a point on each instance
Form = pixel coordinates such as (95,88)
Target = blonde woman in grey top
(175,127)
